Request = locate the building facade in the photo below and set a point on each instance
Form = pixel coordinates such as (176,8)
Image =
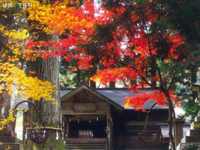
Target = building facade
(97,117)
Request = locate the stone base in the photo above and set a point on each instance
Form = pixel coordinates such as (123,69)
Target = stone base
(185,146)
(11,143)
(11,146)
(6,131)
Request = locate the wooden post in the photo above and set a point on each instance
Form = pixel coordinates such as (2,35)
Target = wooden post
(110,129)
(67,122)
(178,131)
(64,126)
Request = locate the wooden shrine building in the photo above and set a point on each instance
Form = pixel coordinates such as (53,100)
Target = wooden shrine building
(88,115)
(96,119)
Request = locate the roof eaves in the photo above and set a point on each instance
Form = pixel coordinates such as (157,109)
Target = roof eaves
(74,91)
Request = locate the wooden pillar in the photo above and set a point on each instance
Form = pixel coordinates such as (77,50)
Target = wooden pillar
(110,129)
(63,125)
(67,125)
(178,131)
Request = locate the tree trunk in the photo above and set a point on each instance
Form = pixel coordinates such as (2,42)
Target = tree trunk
(50,114)
(93,71)
(78,73)
(170,119)
(112,84)
(193,74)
(153,74)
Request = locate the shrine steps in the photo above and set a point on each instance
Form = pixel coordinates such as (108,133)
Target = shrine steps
(86,144)
(7,141)
(11,143)
(193,135)
(194,132)
(10,146)
(85,147)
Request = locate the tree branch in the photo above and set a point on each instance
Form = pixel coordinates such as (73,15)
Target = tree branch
(172,81)
(154,62)
(151,85)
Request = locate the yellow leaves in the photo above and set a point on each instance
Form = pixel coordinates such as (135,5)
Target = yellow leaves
(5,16)
(10,119)
(2,28)
(27,87)
(17,14)
(63,6)
(35,88)
(97,79)
(66,1)
(29,1)
(6,1)
(44,1)
(15,43)
(55,103)
(17,34)
(127,104)
(58,18)
(78,2)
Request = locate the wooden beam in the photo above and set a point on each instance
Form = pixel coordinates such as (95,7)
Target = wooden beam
(84,113)
(84,107)
(110,129)
(67,125)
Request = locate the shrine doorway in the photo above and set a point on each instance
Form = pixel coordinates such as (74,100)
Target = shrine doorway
(85,126)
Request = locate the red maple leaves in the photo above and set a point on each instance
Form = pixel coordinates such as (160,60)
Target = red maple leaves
(138,101)
(130,45)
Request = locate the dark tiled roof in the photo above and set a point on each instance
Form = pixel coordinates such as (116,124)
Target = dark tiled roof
(118,95)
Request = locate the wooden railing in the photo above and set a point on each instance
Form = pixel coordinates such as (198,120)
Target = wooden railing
(133,130)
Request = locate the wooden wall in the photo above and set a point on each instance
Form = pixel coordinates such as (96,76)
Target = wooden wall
(84,102)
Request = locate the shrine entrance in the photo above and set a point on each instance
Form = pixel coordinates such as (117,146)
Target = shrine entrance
(85,132)
(85,126)
(88,119)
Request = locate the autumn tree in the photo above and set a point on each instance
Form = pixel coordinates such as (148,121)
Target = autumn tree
(12,75)
(15,33)
(149,43)
(132,39)
(44,43)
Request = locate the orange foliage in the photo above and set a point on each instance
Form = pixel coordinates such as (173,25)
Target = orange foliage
(113,74)
(138,101)
(140,45)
